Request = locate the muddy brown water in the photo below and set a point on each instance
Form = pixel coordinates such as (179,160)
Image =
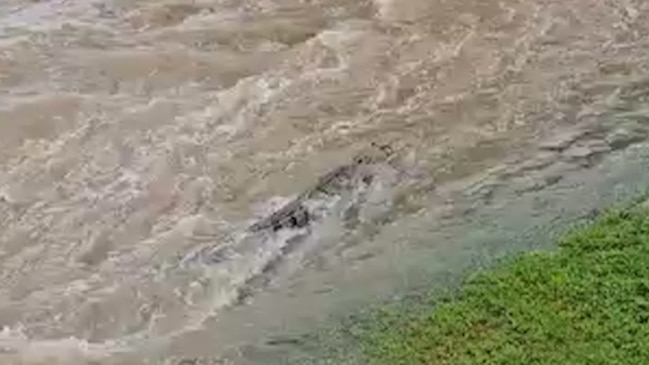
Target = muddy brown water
(140,139)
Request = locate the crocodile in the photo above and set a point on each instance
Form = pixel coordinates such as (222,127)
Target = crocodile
(295,214)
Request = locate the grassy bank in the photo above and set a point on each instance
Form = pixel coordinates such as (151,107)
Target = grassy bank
(585,303)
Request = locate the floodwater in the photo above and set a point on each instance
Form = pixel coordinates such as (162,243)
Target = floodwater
(139,139)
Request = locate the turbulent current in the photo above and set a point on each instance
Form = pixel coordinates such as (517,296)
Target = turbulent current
(196,181)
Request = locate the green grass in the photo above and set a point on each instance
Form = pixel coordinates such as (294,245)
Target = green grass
(585,303)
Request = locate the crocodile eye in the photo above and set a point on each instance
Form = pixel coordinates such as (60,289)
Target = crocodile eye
(361,159)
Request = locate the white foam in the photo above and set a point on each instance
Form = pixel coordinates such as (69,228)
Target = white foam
(69,351)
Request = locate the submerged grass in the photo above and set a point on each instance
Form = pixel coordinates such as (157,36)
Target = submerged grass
(585,303)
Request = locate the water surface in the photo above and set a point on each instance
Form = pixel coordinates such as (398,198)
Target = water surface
(140,139)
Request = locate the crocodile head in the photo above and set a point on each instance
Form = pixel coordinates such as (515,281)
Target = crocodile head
(374,154)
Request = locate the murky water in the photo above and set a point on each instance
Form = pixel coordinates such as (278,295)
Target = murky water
(139,139)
